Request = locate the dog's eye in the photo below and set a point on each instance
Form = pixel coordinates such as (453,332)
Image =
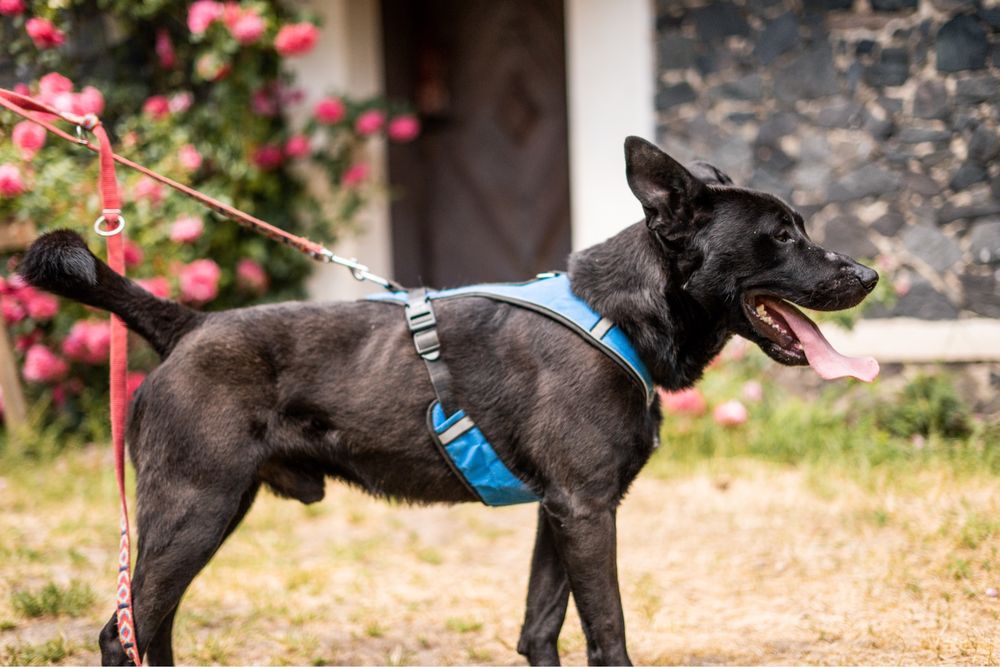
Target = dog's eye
(783,236)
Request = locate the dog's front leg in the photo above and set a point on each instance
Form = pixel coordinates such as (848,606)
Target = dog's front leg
(548,596)
(586,538)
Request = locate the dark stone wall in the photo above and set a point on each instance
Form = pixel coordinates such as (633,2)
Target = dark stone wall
(877,119)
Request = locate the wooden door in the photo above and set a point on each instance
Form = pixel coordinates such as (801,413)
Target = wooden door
(483,194)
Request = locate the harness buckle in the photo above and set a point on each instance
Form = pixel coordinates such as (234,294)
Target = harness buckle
(428,344)
(420,315)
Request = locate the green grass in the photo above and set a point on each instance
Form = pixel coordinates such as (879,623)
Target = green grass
(53,600)
(866,431)
(463,625)
(46,653)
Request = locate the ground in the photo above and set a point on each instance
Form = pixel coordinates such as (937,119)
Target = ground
(735,561)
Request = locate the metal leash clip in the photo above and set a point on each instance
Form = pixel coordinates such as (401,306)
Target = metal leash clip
(359,271)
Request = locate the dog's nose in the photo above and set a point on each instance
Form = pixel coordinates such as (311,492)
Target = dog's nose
(866,276)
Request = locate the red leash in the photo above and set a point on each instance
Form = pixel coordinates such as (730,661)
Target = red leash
(113,230)
(111,225)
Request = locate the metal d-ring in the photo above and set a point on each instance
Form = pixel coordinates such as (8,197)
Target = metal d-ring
(109,232)
(79,136)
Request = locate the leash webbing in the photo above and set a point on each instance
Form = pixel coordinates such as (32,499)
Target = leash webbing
(113,231)
(118,361)
(23,106)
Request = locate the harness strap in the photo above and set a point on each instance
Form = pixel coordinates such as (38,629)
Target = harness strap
(422,323)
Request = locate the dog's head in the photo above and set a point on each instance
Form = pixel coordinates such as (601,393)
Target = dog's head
(745,256)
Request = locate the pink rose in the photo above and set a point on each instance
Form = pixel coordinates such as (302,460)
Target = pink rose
(156,106)
(22,343)
(329,110)
(11,7)
(133,254)
(44,34)
(403,128)
(211,67)
(132,382)
(148,189)
(189,158)
(187,229)
(180,102)
(291,95)
(248,28)
(355,175)
(90,100)
(165,49)
(753,391)
(901,285)
(370,122)
(67,103)
(11,184)
(29,138)
(41,365)
(296,39)
(263,102)
(199,281)
(54,83)
(13,311)
(297,146)
(251,276)
(41,306)
(202,14)
(88,341)
(268,157)
(157,286)
(886,263)
(731,413)
(685,401)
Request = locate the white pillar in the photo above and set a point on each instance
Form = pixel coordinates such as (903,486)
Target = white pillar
(348,60)
(610,67)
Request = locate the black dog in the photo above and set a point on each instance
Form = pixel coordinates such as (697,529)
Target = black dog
(287,395)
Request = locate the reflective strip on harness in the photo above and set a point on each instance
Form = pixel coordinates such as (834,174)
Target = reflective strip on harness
(476,460)
(552,296)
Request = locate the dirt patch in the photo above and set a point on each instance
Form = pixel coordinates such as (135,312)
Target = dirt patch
(762,567)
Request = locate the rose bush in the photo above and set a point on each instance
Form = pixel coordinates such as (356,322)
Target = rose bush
(204,101)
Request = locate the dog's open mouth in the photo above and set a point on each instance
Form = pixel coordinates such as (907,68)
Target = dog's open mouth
(795,339)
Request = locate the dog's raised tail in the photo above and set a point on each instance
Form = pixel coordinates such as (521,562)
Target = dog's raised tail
(60,262)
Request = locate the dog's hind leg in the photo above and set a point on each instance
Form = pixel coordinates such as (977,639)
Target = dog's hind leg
(161,649)
(548,597)
(181,524)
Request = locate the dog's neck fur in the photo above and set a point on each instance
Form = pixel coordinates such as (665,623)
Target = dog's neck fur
(629,280)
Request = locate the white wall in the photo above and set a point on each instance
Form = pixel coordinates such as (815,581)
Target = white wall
(610,61)
(348,60)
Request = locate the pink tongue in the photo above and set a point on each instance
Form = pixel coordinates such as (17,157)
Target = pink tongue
(825,360)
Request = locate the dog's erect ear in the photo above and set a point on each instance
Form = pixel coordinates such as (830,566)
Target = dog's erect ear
(709,173)
(668,192)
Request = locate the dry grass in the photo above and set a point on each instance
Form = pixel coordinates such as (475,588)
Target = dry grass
(753,563)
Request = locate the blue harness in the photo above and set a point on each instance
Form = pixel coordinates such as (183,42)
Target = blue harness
(463,445)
